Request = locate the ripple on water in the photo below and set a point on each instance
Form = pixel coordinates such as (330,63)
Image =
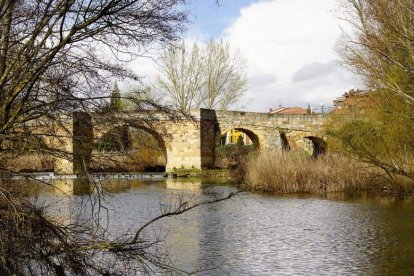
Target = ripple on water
(267,235)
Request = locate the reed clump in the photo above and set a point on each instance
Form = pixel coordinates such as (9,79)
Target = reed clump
(293,172)
(29,162)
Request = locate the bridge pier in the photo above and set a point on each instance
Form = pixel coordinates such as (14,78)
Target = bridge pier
(63,142)
(82,142)
(75,140)
(191,143)
(183,146)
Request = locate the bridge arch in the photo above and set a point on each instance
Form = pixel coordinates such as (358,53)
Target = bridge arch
(254,136)
(314,143)
(139,143)
(115,139)
(154,133)
(284,142)
(319,145)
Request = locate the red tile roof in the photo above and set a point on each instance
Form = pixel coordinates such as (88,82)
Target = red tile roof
(289,110)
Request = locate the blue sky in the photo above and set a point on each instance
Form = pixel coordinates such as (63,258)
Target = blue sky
(289,47)
(212,19)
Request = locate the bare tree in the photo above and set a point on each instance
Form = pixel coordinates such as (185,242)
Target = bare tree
(225,80)
(181,75)
(58,57)
(55,53)
(207,76)
(379,48)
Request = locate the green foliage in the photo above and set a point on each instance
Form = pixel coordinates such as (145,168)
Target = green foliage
(116,101)
(381,139)
(240,141)
(381,52)
(115,140)
(360,137)
(190,171)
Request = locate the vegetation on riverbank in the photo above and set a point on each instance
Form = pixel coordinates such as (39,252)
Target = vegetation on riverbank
(212,173)
(28,162)
(380,51)
(292,172)
(371,147)
(230,156)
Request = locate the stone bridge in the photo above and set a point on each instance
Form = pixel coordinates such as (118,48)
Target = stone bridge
(190,141)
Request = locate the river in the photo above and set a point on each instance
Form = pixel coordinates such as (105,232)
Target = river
(254,234)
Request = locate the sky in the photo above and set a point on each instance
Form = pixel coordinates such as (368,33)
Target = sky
(289,46)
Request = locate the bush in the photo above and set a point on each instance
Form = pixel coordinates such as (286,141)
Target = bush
(231,156)
(293,173)
(35,162)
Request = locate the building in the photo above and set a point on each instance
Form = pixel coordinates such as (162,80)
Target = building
(234,136)
(352,101)
(290,110)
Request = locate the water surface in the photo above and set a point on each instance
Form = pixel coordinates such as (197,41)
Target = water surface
(255,234)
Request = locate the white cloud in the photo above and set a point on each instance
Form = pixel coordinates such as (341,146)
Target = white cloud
(293,41)
(290,50)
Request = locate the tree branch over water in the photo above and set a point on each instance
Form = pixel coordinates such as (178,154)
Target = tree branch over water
(58,57)
(182,208)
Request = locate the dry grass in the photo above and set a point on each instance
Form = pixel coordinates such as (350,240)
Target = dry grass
(295,173)
(34,162)
(120,162)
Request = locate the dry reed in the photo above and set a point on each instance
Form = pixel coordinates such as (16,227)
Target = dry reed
(295,173)
(34,162)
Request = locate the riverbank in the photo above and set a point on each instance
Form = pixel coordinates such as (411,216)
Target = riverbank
(279,173)
(295,173)
(219,176)
(52,176)
(210,173)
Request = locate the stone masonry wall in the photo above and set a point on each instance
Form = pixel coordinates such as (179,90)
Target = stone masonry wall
(190,141)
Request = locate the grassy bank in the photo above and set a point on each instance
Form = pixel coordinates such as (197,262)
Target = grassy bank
(208,173)
(295,173)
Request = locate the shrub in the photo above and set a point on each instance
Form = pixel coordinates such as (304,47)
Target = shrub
(293,173)
(30,162)
(231,156)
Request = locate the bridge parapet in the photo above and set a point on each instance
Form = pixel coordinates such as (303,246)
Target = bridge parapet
(314,121)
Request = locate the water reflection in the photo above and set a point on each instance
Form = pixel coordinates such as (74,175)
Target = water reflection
(75,187)
(192,185)
(82,187)
(256,234)
(69,201)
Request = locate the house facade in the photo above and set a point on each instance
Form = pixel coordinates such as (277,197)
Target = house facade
(352,101)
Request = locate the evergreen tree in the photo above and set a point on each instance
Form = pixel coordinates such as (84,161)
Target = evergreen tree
(116,103)
(309,110)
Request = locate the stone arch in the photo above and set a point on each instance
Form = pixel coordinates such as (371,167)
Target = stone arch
(255,137)
(156,152)
(154,133)
(162,143)
(230,157)
(311,142)
(115,139)
(284,141)
(319,146)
